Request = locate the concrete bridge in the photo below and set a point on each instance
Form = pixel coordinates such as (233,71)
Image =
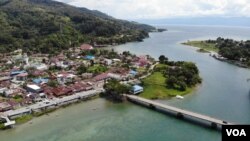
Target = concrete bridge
(180,113)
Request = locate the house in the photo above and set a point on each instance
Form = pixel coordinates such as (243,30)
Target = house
(87,75)
(86,47)
(101,77)
(48,91)
(16,72)
(61,91)
(5,82)
(65,78)
(63,64)
(40,66)
(6,78)
(3,90)
(108,62)
(136,89)
(14,104)
(21,77)
(12,92)
(33,88)
(39,81)
(5,106)
(115,76)
(38,73)
(115,60)
(80,86)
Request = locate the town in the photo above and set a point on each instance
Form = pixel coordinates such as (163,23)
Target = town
(36,83)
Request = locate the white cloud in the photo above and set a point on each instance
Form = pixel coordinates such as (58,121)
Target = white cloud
(154,9)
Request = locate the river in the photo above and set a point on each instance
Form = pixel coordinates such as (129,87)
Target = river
(223,94)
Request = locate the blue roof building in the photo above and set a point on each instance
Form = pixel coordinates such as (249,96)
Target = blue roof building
(132,72)
(136,89)
(40,80)
(89,57)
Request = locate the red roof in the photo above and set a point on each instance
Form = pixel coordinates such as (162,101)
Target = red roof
(101,77)
(47,90)
(86,47)
(77,87)
(61,91)
(38,73)
(22,75)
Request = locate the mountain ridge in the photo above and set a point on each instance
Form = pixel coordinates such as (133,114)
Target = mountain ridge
(48,26)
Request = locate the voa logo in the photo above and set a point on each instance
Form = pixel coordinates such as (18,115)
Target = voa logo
(236,132)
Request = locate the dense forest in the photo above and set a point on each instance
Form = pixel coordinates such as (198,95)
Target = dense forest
(47,26)
(233,50)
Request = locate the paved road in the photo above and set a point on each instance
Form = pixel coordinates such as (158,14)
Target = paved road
(52,102)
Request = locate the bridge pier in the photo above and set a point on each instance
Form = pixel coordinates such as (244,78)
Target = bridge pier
(214,125)
(151,106)
(180,115)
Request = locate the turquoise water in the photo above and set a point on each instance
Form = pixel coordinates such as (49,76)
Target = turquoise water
(224,94)
(117,122)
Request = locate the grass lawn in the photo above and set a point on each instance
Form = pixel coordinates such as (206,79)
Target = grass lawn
(23,119)
(154,88)
(97,69)
(141,69)
(202,45)
(2,126)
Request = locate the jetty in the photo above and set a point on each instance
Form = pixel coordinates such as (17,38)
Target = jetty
(180,113)
(8,122)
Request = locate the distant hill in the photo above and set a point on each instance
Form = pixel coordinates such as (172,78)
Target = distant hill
(48,26)
(221,21)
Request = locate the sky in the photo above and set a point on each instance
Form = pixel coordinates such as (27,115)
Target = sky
(160,9)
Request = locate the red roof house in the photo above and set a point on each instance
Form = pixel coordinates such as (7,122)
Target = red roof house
(86,47)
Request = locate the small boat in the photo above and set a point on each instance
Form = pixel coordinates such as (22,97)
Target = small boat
(179,97)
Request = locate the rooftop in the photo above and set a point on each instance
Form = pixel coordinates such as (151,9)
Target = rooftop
(86,47)
(34,87)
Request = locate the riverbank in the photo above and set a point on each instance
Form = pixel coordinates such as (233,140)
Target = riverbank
(26,114)
(205,47)
(202,46)
(155,88)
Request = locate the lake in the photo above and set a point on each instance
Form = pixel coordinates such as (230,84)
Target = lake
(223,94)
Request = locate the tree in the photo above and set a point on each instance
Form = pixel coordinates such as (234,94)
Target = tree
(171,82)
(53,83)
(114,90)
(81,69)
(163,59)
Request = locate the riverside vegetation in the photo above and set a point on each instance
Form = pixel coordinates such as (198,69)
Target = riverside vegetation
(171,78)
(237,52)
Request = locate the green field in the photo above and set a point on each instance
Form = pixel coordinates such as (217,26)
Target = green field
(155,88)
(202,45)
(97,69)
(23,119)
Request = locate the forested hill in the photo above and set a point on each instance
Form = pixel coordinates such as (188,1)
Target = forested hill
(48,26)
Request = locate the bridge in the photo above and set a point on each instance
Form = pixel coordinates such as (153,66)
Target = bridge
(180,113)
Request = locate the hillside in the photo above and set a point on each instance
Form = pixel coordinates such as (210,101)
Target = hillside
(47,26)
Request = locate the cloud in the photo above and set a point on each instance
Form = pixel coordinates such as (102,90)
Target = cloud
(155,9)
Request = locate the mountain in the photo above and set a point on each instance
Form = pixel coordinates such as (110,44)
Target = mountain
(48,26)
(214,21)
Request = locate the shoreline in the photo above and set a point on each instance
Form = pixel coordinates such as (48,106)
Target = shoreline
(213,54)
(24,116)
(159,91)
